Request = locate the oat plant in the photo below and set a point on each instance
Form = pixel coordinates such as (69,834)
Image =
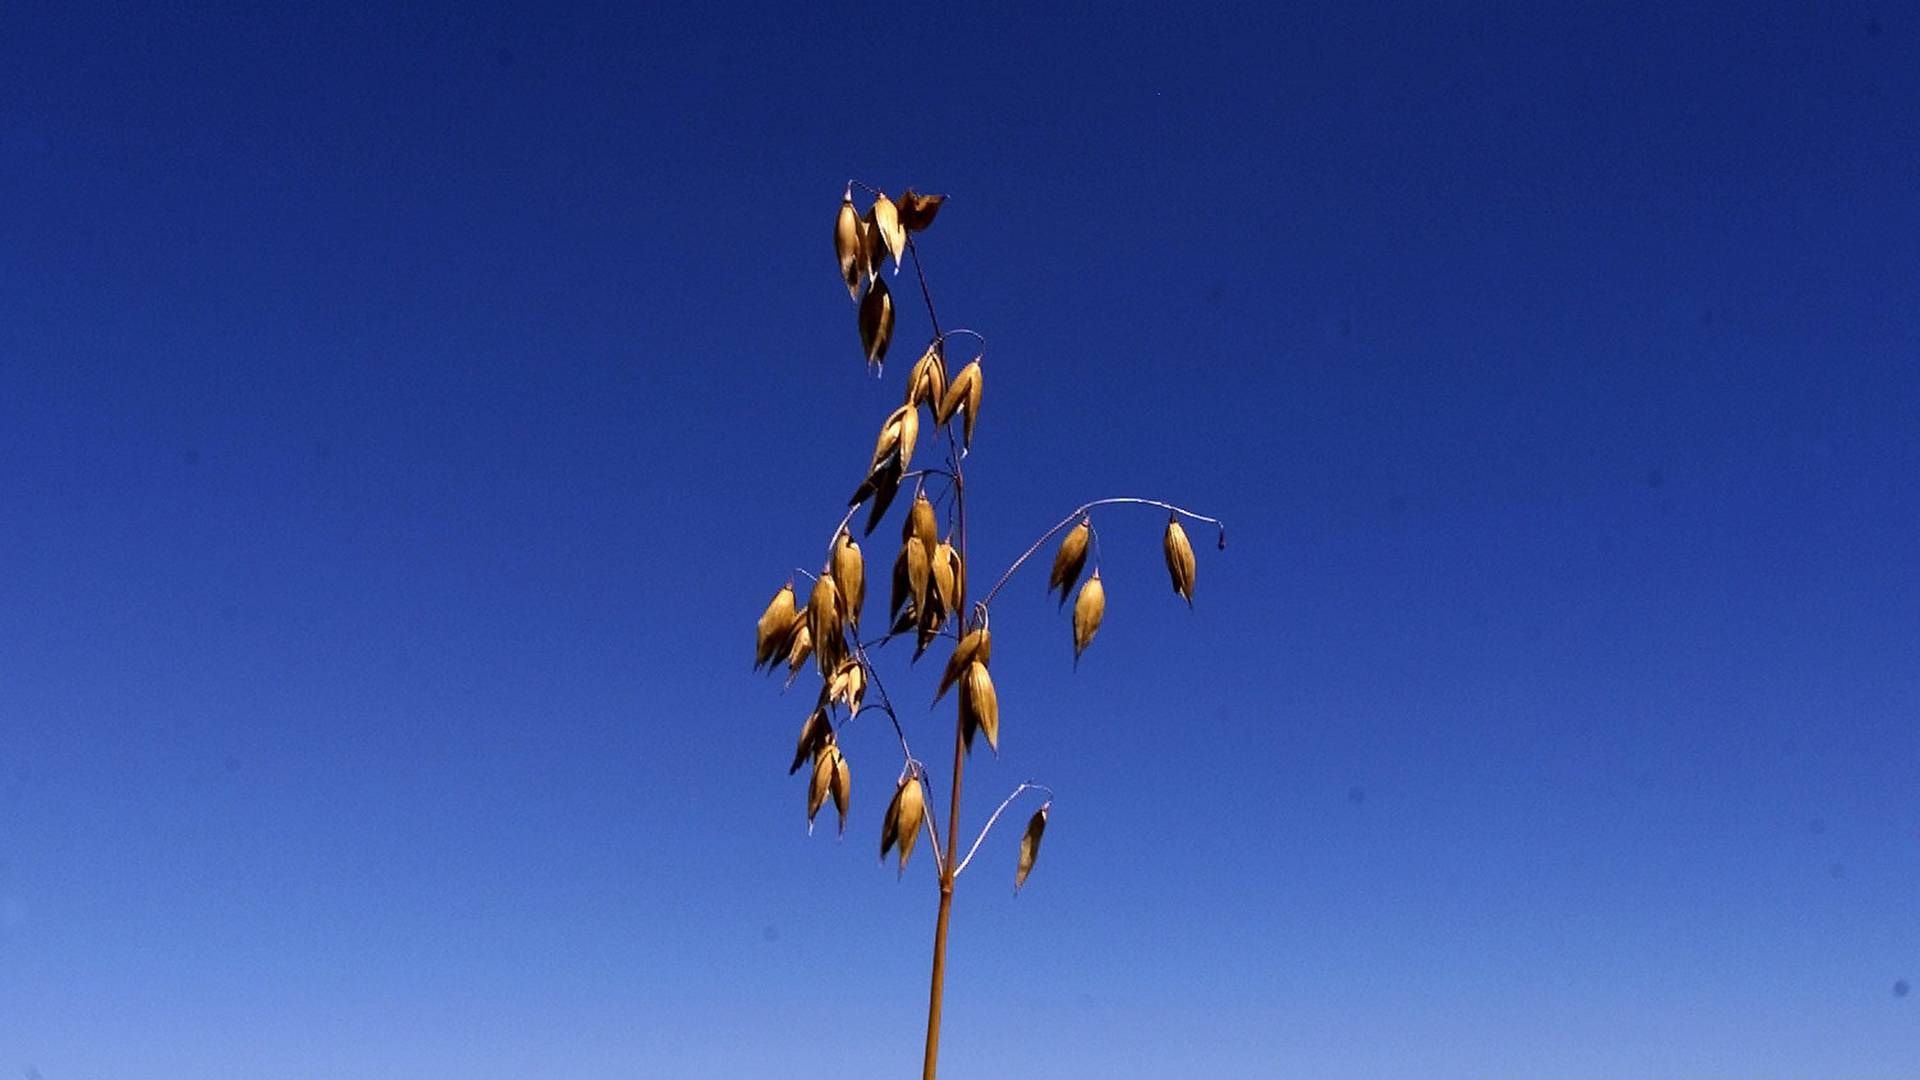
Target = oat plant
(927,598)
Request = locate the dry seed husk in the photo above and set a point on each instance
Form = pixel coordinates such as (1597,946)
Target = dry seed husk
(873,249)
(892,453)
(1030,847)
(841,784)
(931,620)
(922,525)
(963,393)
(928,381)
(876,321)
(919,572)
(890,821)
(886,222)
(823,623)
(774,633)
(1070,560)
(979,706)
(977,645)
(917,211)
(945,585)
(813,735)
(910,812)
(846,244)
(798,652)
(1088,609)
(1180,563)
(820,780)
(849,577)
(848,685)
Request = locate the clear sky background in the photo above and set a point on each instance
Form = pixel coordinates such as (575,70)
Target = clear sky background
(404,417)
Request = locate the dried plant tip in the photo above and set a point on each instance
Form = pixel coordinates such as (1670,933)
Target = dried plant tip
(873,249)
(846,244)
(814,734)
(876,321)
(1030,846)
(928,381)
(1070,559)
(977,645)
(959,570)
(849,577)
(773,636)
(979,706)
(917,211)
(823,624)
(1088,609)
(963,393)
(1180,564)
(886,222)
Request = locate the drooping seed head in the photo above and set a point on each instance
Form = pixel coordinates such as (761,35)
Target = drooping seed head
(820,781)
(976,645)
(1030,846)
(963,393)
(1088,609)
(1070,559)
(979,706)
(849,577)
(927,383)
(886,221)
(917,211)
(876,322)
(841,784)
(848,686)
(823,624)
(910,813)
(814,734)
(773,635)
(846,244)
(1180,562)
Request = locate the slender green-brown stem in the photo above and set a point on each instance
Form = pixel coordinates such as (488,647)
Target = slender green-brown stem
(937,987)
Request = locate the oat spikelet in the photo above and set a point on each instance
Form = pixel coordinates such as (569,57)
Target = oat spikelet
(814,734)
(928,382)
(1030,846)
(892,455)
(1070,560)
(923,525)
(773,636)
(876,322)
(841,784)
(904,818)
(823,624)
(1088,609)
(917,211)
(798,652)
(848,686)
(849,577)
(979,707)
(821,779)
(963,395)
(886,222)
(846,244)
(977,645)
(1180,564)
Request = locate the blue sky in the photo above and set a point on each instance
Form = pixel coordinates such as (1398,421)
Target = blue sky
(404,417)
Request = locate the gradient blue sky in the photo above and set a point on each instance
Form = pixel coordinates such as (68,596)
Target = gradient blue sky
(403,418)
